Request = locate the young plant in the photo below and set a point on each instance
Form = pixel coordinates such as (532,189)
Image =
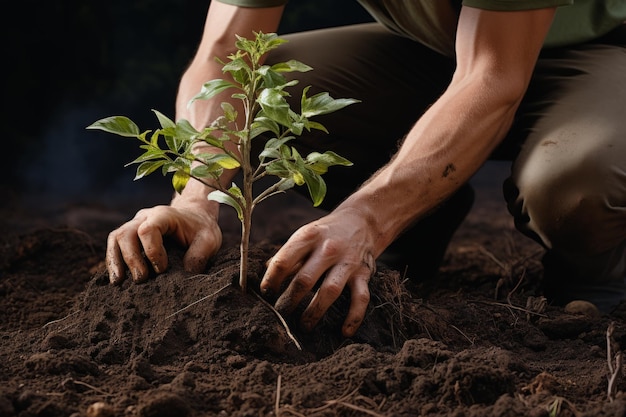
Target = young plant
(261,89)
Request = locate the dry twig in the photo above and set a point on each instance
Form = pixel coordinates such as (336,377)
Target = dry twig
(59,320)
(199,301)
(614,362)
(346,400)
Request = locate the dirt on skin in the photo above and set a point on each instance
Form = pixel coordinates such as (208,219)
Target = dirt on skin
(475,341)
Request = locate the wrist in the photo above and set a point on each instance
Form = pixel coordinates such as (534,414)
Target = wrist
(194,197)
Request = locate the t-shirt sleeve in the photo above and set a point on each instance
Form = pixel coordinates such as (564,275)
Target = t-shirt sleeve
(255,3)
(513,5)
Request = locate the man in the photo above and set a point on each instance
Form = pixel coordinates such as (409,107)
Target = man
(458,84)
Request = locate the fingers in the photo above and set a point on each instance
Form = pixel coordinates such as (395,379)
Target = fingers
(307,260)
(326,295)
(359,300)
(124,250)
(202,248)
(329,292)
(314,259)
(138,244)
(114,261)
(288,260)
(150,232)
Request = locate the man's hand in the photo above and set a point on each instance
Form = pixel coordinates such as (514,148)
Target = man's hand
(140,241)
(337,247)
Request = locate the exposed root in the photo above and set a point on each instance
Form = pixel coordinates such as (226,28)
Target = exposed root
(614,362)
(86,385)
(347,400)
(462,333)
(510,306)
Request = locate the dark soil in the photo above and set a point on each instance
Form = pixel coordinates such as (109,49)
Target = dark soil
(468,343)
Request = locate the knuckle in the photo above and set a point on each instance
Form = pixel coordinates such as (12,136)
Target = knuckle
(330,249)
(145,229)
(279,265)
(333,289)
(362,297)
(308,232)
(302,282)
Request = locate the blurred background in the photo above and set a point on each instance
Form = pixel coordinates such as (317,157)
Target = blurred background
(70,63)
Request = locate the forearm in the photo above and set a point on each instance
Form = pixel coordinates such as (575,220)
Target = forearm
(496,54)
(440,153)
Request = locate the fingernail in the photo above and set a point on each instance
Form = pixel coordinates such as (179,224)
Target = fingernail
(114,279)
(267,291)
(349,330)
(156,268)
(137,275)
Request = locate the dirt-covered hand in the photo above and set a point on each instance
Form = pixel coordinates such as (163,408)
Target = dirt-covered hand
(337,248)
(140,241)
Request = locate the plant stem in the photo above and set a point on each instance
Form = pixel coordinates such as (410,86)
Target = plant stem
(248,180)
(244,247)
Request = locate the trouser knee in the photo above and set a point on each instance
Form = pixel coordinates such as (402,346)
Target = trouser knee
(578,209)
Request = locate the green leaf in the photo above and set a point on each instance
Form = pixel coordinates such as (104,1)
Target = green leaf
(297,177)
(229,111)
(316,186)
(148,167)
(179,180)
(223,160)
(262,124)
(211,89)
(203,171)
(151,154)
(308,125)
(322,103)
(286,185)
(290,66)
(273,147)
(319,162)
(238,69)
(223,198)
(237,63)
(184,129)
(297,127)
(278,168)
(213,141)
(269,41)
(275,106)
(119,125)
(271,78)
(164,120)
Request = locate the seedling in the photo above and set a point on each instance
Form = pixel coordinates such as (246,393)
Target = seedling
(262,91)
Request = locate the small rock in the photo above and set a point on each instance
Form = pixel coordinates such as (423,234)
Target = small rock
(582,307)
(100,409)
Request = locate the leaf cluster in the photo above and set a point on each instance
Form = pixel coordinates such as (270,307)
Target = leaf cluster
(261,92)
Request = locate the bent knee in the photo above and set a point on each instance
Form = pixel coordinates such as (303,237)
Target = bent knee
(578,209)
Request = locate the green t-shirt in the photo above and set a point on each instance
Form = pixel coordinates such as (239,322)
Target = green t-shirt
(433,22)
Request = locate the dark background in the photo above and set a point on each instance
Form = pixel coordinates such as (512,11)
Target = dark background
(70,63)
